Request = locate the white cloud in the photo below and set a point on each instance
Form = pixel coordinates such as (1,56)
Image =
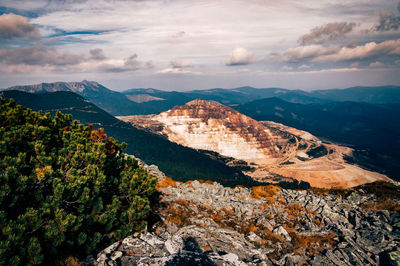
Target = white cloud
(319,53)
(304,66)
(240,56)
(178,71)
(368,50)
(376,64)
(288,68)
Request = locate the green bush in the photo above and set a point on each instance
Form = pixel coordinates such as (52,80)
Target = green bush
(65,188)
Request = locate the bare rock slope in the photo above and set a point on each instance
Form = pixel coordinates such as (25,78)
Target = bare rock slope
(204,223)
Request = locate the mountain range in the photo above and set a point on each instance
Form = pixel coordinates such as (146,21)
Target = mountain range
(151,101)
(365,118)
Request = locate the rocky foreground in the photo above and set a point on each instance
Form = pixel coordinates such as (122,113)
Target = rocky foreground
(204,223)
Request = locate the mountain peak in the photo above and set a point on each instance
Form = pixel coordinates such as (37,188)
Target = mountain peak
(200,102)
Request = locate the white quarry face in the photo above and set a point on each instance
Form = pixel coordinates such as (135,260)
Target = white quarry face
(211,126)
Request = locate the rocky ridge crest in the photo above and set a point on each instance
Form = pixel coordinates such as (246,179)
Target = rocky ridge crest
(204,223)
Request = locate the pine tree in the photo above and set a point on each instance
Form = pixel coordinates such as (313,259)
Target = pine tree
(65,188)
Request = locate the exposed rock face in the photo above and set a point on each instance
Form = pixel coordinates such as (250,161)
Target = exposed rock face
(142,98)
(208,224)
(211,126)
(274,151)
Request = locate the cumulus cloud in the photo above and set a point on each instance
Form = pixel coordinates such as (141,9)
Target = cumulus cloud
(38,56)
(304,66)
(178,71)
(180,64)
(240,56)
(376,64)
(366,51)
(129,64)
(328,32)
(318,53)
(17,27)
(97,54)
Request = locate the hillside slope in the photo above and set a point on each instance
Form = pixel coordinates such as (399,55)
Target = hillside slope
(373,130)
(175,160)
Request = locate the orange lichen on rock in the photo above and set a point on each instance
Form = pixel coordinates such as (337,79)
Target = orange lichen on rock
(259,192)
(165,182)
(201,181)
(312,244)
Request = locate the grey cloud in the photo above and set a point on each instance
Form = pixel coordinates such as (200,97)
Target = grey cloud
(240,56)
(328,32)
(388,21)
(130,64)
(178,35)
(97,54)
(304,53)
(17,27)
(38,55)
(180,64)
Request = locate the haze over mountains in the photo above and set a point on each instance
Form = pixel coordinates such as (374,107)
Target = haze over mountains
(364,117)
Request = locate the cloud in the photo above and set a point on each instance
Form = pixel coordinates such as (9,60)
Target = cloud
(376,64)
(304,66)
(38,56)
(287,68)
(328,32)
(367,51)
(97,54)
(180,64)
(178,71)
(304,53)
(17,27)
(318,53)
(388,21)
(129,64)
(240,56)
(178,35)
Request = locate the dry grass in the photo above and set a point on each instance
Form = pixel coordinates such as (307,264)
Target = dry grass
(388,204)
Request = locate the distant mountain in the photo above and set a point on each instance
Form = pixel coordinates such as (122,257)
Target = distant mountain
(375,95)
(176,161)
(363,125)
(152,101)
(111,101)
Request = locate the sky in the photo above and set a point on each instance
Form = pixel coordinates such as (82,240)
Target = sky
(198,44)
